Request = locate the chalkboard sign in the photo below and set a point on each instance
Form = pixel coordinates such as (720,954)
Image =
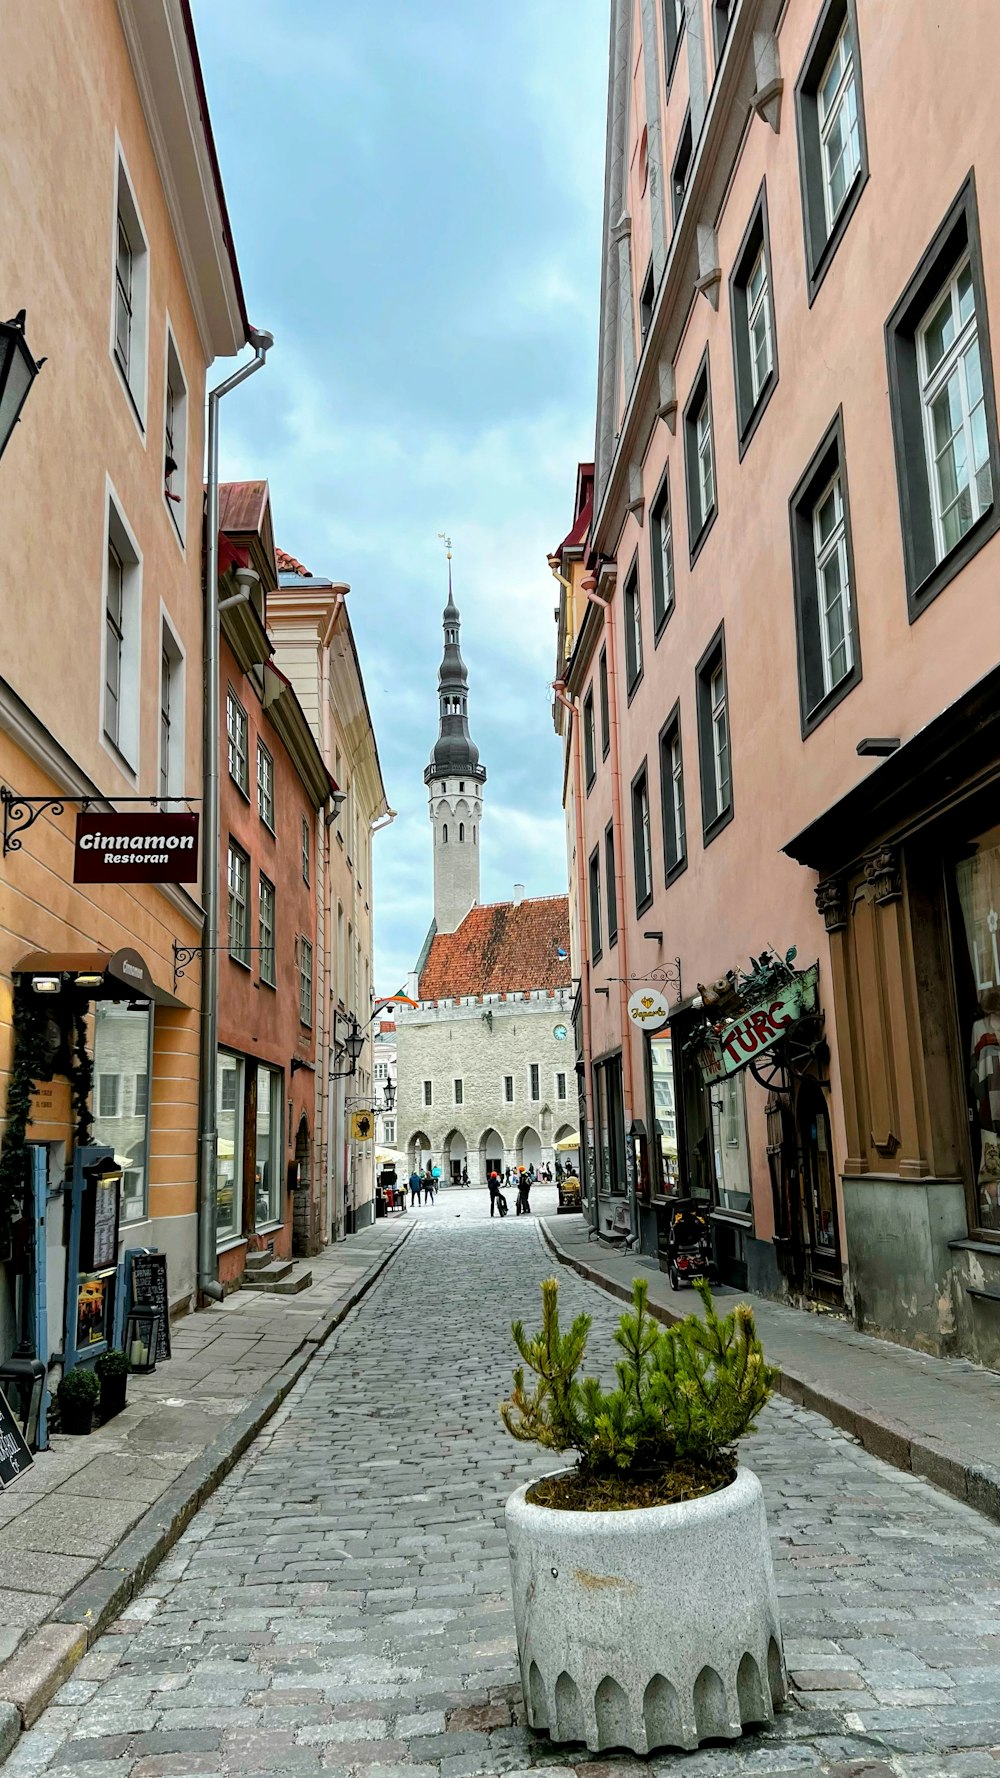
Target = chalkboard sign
(100,1209)
(15,1457)
(149,1287)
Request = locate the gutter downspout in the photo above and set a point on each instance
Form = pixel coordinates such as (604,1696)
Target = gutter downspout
(332,1220)
(208,1134)
(583,917)
(620,903)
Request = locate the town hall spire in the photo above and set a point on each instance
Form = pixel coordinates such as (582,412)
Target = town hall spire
(454,779)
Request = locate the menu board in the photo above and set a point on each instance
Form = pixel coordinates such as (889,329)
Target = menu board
(99,1223)
(15,1457)
(149,1288)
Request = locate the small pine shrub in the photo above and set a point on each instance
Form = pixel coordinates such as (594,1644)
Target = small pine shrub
(685,1393)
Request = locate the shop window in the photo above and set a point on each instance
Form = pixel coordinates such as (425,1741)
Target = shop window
(977,929)
(238,872)
(729,1142)
(594,880)
(663,1115)
(661,543)
(713,739)
(833,150)
(642,847)
(610,1132)
(610,887)
(672,797)
(943,406)
(589,746)
(265,786)
(229,1167)
(268,1169)
(602,682)
(632,616)
(823,582)
(699,460)
(236,737)
(755,358)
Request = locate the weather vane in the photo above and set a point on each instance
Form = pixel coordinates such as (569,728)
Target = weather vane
(447,544)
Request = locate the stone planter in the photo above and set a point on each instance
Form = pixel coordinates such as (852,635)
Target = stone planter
(650,1628)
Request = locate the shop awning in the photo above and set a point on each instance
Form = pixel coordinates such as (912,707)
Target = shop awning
(106,975)
(567,1143)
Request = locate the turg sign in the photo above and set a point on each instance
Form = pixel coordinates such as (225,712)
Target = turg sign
(146,848)
(737,1042)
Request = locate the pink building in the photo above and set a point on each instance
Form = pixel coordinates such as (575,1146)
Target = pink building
(783,675)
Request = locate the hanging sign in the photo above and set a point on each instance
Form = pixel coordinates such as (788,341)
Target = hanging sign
(15,1456)
(739,1041)
(648,1010)
(362,1126)
(146,848)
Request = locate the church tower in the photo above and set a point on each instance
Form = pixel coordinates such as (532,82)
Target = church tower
(454,780)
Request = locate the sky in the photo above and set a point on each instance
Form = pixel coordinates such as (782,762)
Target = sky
(415,195)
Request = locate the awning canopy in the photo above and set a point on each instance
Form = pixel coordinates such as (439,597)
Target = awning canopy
(123,973)
(567,1143)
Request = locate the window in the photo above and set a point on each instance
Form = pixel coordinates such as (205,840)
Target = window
(130,295)
(673,27)
(833,151)
(306,849)
(444,834)
(533,1077)
(699,460)
(722,12)
(713,739)
(589,746)
(595,904)
(236,732)
(305,981)
(661,542)
(508,1089)
(267,1153)
(823,582)
(389,1131)
(229,1163)
(681,168)
(943,406)
(122,1050)
(646,299)
(660,1097)
(265,785)
(754,356)
(265,910)
(175,438)
(610,887)
(122,626)
(610,1126)
(560,1086)
(632,615)
(238,872)
(641,840)
(380,1071)
(428,1093)
(459,1090)
(602,683)
(171,776)
(461,831)
(672,797)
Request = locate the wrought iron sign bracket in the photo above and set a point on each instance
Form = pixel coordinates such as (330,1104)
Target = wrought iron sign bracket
(668,975)
(21,812)
(185,954)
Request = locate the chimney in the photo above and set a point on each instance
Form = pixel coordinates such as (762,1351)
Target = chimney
(518,894)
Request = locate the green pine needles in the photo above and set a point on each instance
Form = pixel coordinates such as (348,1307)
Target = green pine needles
(685,1395)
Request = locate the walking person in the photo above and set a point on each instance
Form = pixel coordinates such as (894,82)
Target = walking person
(494,1185)
(414,1187)
(429,1184)
(524,1187)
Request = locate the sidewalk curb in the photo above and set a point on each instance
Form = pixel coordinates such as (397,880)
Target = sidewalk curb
(41,1664)
(978,1485)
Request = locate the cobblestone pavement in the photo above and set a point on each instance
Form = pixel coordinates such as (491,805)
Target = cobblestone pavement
(341,1604)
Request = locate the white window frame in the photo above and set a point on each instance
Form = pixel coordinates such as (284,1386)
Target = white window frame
(664,546)
(647,839)
(846,85)
(122,742)
(677,795)
(106,1116)
(237,741)
(718,704)
(265,785)
(125,211)
(266,919)
(953,363)
(172,740)
(305,982)
(270,1079)
(824,550)
(706,461)
(175,430)
(226,1237)
(756,306)
(633,627)
(238,898)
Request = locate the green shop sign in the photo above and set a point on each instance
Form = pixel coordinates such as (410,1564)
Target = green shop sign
(761,1025)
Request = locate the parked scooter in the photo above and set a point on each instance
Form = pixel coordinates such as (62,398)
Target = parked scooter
(689,1243)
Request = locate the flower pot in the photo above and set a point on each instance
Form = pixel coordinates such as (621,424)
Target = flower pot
(76,1417)
(113,1395)
(653,1627)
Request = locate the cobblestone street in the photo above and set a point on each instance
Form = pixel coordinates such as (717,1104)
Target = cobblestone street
(341,1604)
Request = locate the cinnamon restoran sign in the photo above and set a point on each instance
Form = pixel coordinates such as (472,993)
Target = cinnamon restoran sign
(146,848)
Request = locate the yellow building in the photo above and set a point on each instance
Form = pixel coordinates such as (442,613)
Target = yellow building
(117,244)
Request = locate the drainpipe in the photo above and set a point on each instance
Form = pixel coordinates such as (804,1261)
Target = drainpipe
(590,588)
(208,1134)
(583,913)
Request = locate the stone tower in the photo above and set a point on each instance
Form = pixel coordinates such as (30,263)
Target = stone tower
(454,780)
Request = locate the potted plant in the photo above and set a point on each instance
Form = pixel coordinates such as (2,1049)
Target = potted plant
(644,1594)
(112,1374)
(77,1396)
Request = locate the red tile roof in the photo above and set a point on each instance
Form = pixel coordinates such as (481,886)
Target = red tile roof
(288,565)
(504,948)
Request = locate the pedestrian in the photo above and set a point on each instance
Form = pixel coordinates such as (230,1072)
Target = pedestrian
(465,1177)
(523,1206)
(414,1187)
(494,1185)
(429,1186)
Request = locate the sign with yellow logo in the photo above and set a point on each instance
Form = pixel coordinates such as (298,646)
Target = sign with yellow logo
(648,1009)
(362,1126)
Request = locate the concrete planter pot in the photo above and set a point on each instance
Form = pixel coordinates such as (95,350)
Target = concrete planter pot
(650,1628)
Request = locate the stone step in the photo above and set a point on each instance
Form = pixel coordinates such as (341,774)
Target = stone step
(269,1276)
(292,1286)
(257,1261)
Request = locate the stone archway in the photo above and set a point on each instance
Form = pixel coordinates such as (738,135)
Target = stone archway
(491,1153)
(528,1148)
(566,1160)
(418,1152)
(454,1156)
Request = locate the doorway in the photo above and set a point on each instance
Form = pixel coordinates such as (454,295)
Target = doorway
(818,1196)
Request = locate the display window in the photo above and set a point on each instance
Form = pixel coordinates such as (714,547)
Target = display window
(976,931)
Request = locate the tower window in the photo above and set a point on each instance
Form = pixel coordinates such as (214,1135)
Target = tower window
(461,784)
(444,834)
(461,830)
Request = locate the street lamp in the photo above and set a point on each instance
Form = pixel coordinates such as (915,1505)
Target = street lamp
(390,1095)
(18,371)
(353,1044)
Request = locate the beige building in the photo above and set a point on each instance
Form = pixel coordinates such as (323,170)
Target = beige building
(784,684)
(314,646)
(117,243)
